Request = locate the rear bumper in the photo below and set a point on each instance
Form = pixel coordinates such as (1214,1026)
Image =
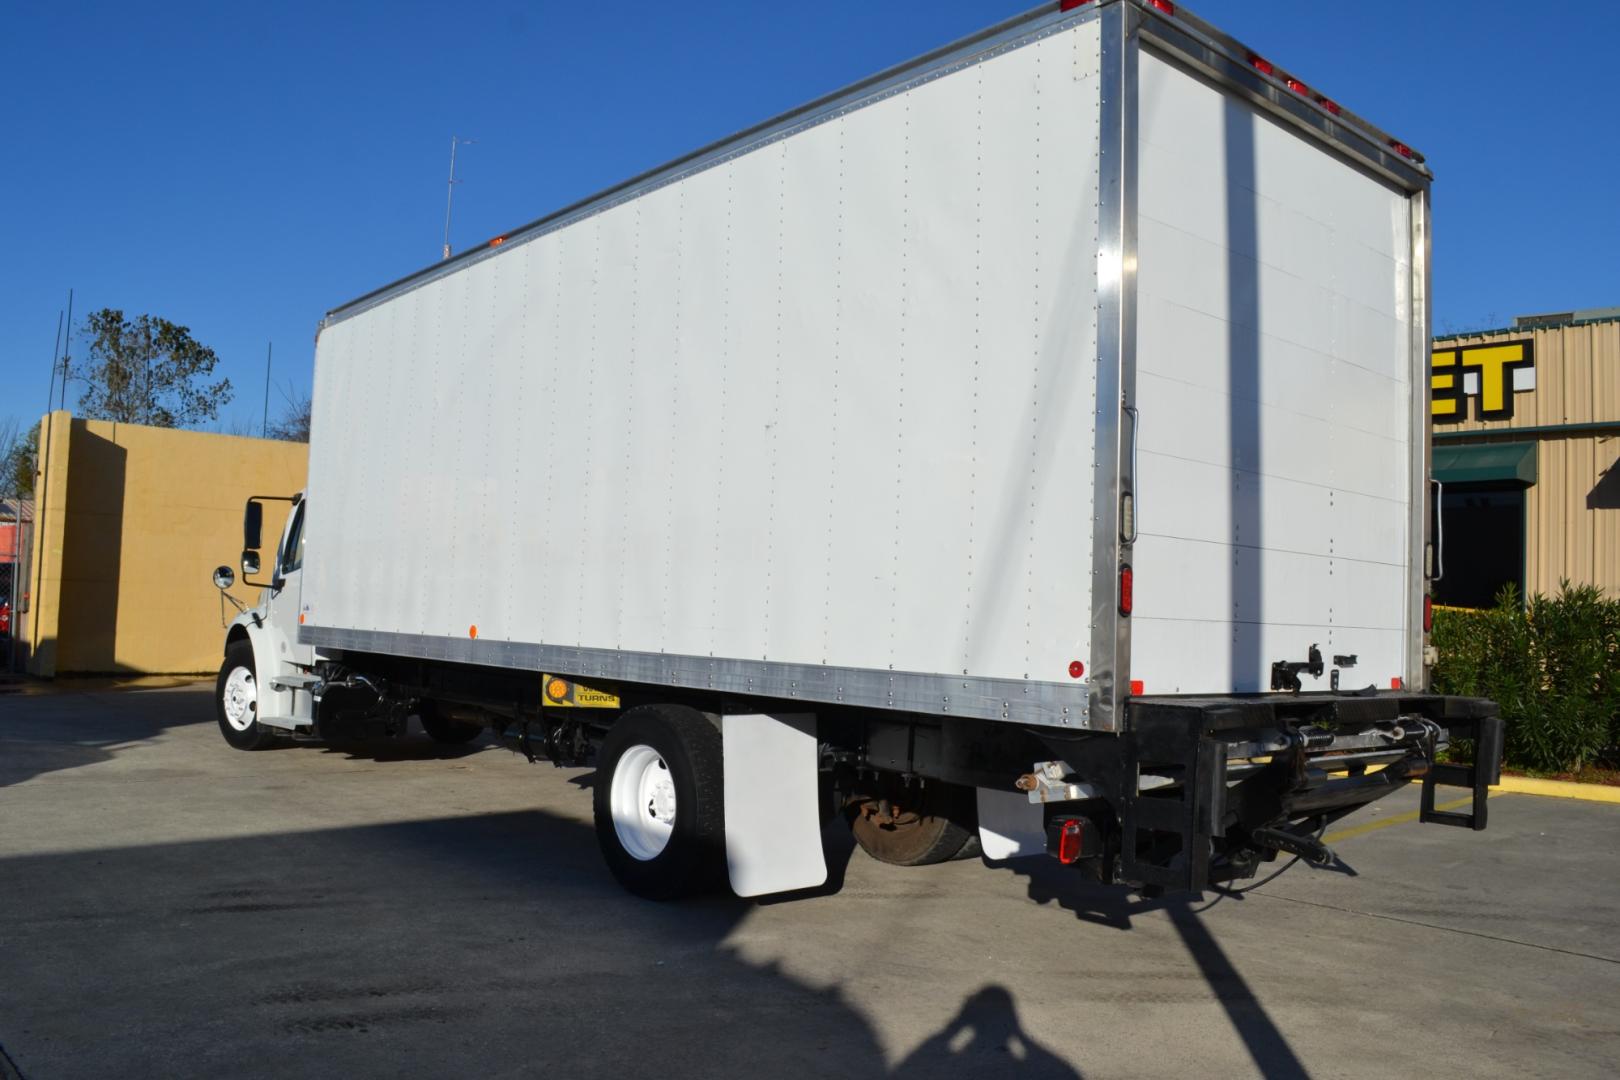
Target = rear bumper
(1217,785)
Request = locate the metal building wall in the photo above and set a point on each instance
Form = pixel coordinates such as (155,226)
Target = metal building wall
(1573,416)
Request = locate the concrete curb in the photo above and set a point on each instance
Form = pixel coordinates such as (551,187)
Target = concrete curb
(1559,789)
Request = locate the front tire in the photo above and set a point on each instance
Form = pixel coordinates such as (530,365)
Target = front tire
(659,802)
(236,700)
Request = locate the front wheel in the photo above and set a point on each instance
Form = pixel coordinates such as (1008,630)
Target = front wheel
(236,696)
(660,814)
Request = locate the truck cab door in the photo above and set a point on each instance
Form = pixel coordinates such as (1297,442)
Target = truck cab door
(286,590)
(276,651)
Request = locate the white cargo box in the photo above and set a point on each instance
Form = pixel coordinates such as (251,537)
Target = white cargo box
(852,407)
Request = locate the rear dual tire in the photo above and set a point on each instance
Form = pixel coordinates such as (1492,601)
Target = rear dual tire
(659,802)
(443,729)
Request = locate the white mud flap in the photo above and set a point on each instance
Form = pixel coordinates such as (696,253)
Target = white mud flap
(1010,825)
(773,817)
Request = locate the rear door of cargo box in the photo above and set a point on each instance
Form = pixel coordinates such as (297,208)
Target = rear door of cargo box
(1274,378)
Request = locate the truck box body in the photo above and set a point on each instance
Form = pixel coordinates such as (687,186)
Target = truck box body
(872,404)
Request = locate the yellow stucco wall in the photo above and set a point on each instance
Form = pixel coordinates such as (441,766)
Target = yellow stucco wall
(131,524)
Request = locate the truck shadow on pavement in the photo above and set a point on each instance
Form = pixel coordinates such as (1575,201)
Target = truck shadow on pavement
(1114,906)
(485,944)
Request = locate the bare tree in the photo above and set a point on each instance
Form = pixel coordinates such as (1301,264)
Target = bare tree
(19,459)
(293,424)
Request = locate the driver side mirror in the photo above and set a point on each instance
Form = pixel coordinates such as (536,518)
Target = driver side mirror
(253,525)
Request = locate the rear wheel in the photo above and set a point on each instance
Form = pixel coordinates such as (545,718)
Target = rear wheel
(236,698)
(916,826)
(660,814)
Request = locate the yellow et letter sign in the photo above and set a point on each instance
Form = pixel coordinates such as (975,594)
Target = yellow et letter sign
(1485,373)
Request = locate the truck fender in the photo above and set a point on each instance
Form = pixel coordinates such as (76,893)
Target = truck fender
(1010,825)
(773,814)
(265,664)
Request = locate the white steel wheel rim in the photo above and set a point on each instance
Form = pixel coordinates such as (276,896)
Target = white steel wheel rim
(240,697)
(642,800)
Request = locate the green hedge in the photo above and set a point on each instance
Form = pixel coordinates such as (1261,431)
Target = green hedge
(1553,665)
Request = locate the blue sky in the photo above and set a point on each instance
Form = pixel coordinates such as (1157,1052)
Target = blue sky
(241,174)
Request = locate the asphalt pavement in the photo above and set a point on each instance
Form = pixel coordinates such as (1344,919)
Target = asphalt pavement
(170,907)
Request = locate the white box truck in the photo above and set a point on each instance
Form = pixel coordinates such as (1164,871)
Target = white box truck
(1023,450)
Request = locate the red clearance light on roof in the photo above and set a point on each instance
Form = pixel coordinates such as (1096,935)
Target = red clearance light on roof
(1298,87)
(498,241)
(1400,148)
(1262,65)
(1070,5)
(1125,583)
(1163,5)
(1329,104)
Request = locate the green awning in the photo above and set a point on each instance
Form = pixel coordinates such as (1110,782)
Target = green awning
(1486,463)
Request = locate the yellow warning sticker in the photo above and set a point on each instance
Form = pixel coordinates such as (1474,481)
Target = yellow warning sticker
(561,693)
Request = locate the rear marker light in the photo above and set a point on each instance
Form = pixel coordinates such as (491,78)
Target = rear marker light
(1070,5)
(1125,584)
(1298,87)
(1069,836)
(1136,688)
(1076,669)
(1400,148)
(1163,5)
(472,631)
(1428,614)
(498,241)
(1262,65)
(1395,683)
(1072,839)
(1329,104)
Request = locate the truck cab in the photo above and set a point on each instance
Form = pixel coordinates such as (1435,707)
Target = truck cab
(265,683)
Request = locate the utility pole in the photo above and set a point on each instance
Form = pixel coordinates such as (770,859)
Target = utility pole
(56,362)
(264,425)
(450,188)
(67,351)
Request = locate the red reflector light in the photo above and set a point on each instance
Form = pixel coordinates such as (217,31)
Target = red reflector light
(1428,614)
(1125,583)
(1298,87)
(1395,683)
(1071,835)
(1136,687)
(1070,5)
(1076,669)
(1400,148)
(1164,5)
(1262,65)
(1329,104)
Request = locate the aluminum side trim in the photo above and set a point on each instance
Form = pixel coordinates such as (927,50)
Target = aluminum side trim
(1420,442)
(1116,362)
(1043,703)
